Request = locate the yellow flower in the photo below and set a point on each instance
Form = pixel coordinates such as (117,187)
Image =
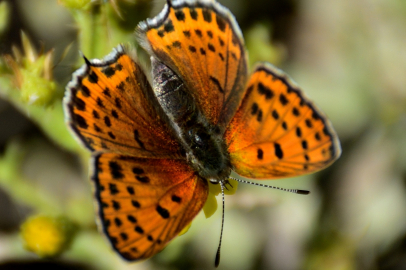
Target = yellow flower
(210,206)
(47,236)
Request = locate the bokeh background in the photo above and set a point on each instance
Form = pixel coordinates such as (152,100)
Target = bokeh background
(349,56)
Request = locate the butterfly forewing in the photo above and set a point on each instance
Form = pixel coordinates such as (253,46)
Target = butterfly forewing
(110,106)
(277,132)
(203,44)
(144,203)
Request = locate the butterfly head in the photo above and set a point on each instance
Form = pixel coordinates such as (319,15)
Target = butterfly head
(207,153)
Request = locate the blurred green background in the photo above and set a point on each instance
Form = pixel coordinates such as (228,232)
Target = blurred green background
(348,56)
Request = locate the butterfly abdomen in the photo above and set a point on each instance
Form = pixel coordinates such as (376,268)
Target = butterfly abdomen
(205,149)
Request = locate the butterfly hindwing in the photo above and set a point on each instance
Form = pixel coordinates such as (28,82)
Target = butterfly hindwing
(144,203)
(110,106)
(277,132)
(203,44)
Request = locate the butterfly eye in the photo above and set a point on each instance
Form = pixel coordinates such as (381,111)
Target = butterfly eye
(198,140)
(201,138)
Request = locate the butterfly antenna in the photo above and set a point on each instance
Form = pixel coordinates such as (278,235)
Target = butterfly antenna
(217,260)
(297,191)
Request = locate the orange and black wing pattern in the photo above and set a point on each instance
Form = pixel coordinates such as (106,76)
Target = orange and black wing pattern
(278,132)
(202,43)
(110,106)
(144,203)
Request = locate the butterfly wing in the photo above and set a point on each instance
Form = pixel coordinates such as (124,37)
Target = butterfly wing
(201,41)
(144,203)
(277,132)
(110,106)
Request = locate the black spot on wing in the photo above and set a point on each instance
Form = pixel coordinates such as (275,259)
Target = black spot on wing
(206,15)
(264,90)
(176,44)
(139,230)
(119,67)
(137,170)
(304,144)
(161,33)
(275,115)
(259,115)
(93,78)
(135,203)
(176,199)
(114,114)
(220,23)
(80,121)
(120,86)
(283,99)
(221,42)
(198,32)
(118,103)
(164,213)
(308,123)
(211,47)
(107,121)
(180,16)
(109,71)
(254,108)
(113,189)
(118,222)
(106,92)
(130,190)
(260,153)
(186,33)
(97,128)
(295,111)
(100,102)
(116,170)
(85,91)
(95,114)
(79,103)
(193,14)
(143,179)
(278,150)
(116,205)
(168,26)
(298,132)
(131,219)
(124,236)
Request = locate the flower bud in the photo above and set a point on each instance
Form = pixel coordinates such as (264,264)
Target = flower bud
(47,236)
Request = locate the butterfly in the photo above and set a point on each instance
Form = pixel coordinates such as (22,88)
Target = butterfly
(156,143)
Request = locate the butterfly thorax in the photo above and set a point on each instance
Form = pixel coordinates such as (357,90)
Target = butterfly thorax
(202,141)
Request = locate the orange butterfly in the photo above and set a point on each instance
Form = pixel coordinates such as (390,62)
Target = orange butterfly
(155,147)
